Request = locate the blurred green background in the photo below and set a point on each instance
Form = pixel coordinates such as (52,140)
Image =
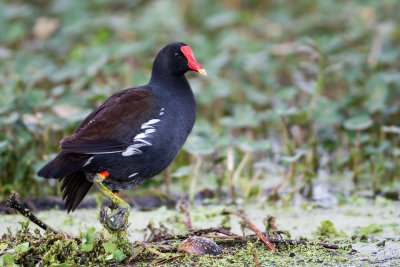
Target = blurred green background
(298,93)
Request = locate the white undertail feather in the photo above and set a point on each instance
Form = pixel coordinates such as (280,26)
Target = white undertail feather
(88,162)
(133,174)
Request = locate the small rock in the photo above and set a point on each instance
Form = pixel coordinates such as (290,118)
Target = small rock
(381,243)
(199,246)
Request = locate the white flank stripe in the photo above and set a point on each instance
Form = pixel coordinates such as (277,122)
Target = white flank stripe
(131,150)
(133,174)
(140,136)
(149,123)
(140,139)
(145,143)
(153,121)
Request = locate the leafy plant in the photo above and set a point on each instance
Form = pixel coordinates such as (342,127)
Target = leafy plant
(295,76)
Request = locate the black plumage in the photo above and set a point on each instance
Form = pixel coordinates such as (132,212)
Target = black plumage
(134,135)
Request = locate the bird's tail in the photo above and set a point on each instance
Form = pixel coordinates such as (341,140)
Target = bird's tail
(68,167)
(75,187)
(63,165)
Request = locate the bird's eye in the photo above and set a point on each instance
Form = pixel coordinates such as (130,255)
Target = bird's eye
(177,55)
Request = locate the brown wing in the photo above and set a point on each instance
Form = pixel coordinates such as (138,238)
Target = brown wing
(112,126)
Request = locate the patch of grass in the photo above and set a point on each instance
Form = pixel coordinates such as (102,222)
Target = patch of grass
(29,249)
(327,232)
(367,233)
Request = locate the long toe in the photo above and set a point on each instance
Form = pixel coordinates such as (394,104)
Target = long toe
(103,216)
(120,219)
(116,221)
(116,218)
(123,222)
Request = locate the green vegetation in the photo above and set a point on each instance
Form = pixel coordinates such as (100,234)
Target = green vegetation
(294,87)
(49,249)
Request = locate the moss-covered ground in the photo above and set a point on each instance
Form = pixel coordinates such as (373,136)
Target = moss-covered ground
(371,228)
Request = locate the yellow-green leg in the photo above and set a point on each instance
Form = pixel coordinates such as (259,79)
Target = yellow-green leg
(117,220)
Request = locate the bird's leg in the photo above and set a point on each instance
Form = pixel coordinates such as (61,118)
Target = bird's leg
(117,221)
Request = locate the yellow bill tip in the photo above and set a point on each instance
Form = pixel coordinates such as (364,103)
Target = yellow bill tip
(202,72)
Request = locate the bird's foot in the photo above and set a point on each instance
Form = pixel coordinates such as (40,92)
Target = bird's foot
(115,220)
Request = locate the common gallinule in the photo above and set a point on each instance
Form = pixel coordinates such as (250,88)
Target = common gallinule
(134,135)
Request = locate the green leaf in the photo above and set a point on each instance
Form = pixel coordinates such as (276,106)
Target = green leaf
(89,239)
(358,123)
(247,144)
(90,234)
(22,247)
(326,112)
(34,98)
(244,116)
(182,171)
(3,246)
(7,97)
(198,145)
(110,258)
(377,92)
(295,158)
(8,259)
(87,247)
(109,247)
(119,255)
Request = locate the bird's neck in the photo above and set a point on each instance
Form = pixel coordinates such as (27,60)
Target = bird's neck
(167,81)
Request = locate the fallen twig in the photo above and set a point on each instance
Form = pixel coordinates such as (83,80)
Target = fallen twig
(226,232)
(157,234)
(15,203)
(255,258)
(163,261)
(271,225)
(183,206)
(212,230)
(151,250)
(137,253)
(253,228)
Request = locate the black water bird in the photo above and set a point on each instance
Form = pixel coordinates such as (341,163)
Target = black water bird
(134,135)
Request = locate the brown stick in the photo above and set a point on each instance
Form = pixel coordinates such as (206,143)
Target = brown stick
(163,261)
(255,258)
(15,203)
(271,225)
(226,232)
(253,228)
(211,230)
(151,250)
(184,207)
